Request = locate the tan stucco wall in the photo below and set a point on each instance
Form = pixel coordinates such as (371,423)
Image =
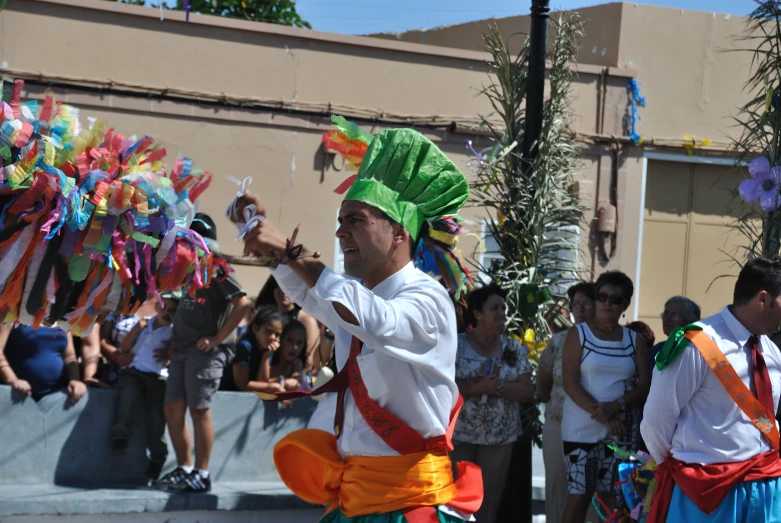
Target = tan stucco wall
(281,151)
(691,79)
(599,45)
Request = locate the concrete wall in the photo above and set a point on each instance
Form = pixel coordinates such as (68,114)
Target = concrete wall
(52,442)
(55,457)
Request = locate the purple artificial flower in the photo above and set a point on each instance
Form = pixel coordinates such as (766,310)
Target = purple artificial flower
(763,185)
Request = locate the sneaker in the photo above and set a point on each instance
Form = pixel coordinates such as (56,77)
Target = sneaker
(173,477)
(119,447)
(193,483)
(153,470)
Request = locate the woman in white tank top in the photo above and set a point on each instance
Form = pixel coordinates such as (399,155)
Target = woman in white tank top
(606,377)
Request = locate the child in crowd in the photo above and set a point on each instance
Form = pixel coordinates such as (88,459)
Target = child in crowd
(202,327)
(261,338)
(143,382)
(112,331)
(283,369)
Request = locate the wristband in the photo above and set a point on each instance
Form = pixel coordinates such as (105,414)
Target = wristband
(293,251)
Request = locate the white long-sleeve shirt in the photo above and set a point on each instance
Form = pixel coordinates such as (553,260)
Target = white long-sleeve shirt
(690,414)
(408,326)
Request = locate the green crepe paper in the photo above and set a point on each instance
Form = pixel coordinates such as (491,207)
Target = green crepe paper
(70,183)
(351,129)
(5,152)
(674,346)
(408,178)
(136,235)
(78,268)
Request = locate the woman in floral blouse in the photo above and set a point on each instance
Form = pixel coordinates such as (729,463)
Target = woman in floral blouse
(492,373)
(550,388)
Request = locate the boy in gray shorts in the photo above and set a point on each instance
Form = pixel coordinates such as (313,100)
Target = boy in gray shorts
(197,363)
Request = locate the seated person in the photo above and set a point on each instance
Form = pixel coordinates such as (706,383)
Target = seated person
(283,369)
(272,295)
(36,362)
(262,337)
(112,331)
(88,348)
(143,383)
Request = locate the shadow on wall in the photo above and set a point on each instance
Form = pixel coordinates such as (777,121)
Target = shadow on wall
(53,442)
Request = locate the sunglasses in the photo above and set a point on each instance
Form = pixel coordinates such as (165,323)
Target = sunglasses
(614,299)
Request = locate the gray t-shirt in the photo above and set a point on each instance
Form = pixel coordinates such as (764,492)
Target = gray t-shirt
(201,316)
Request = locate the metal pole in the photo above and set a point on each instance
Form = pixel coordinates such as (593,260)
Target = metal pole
(540,12)
(517,505)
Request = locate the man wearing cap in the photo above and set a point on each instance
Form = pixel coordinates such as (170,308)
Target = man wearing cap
(395,329)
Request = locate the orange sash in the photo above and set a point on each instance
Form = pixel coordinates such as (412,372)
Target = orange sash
(732,383)
(310,465)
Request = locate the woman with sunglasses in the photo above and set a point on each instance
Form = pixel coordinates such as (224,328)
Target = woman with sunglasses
(551,391)
(606,377)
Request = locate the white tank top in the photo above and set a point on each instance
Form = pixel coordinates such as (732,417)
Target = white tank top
(607,372)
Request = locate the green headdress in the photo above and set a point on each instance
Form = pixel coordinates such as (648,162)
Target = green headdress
(406,176)
(402,173)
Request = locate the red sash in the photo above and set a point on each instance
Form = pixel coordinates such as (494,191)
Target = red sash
(707,485)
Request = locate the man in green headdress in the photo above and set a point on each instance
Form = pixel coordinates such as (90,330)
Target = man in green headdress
(395,329)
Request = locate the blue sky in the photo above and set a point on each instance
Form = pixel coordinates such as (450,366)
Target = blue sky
(374,16)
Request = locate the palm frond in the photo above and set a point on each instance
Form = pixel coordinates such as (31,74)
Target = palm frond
(532,199)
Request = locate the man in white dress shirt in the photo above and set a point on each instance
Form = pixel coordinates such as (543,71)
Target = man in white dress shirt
(709,420)
(395,331)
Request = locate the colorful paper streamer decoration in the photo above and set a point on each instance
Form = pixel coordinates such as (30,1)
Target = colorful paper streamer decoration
(635,99)
(90,220)
(634,488)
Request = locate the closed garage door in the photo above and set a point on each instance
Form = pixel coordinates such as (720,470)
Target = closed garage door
(687,239)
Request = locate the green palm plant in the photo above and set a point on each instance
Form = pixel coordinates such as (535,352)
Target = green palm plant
(531,199)
(758,148)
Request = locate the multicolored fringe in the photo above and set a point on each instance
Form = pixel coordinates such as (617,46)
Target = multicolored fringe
(437,255)
(634,488)
(90,221)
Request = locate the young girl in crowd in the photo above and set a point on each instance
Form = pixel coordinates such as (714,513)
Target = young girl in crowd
(260,340)
(142,383)
(283,369)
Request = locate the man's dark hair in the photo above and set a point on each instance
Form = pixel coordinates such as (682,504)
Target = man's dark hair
(413,243)
(587,288)
(204,225)
(762,273)
(620,280)
(476,300)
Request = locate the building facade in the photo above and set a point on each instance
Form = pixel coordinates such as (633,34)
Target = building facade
(251,99)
